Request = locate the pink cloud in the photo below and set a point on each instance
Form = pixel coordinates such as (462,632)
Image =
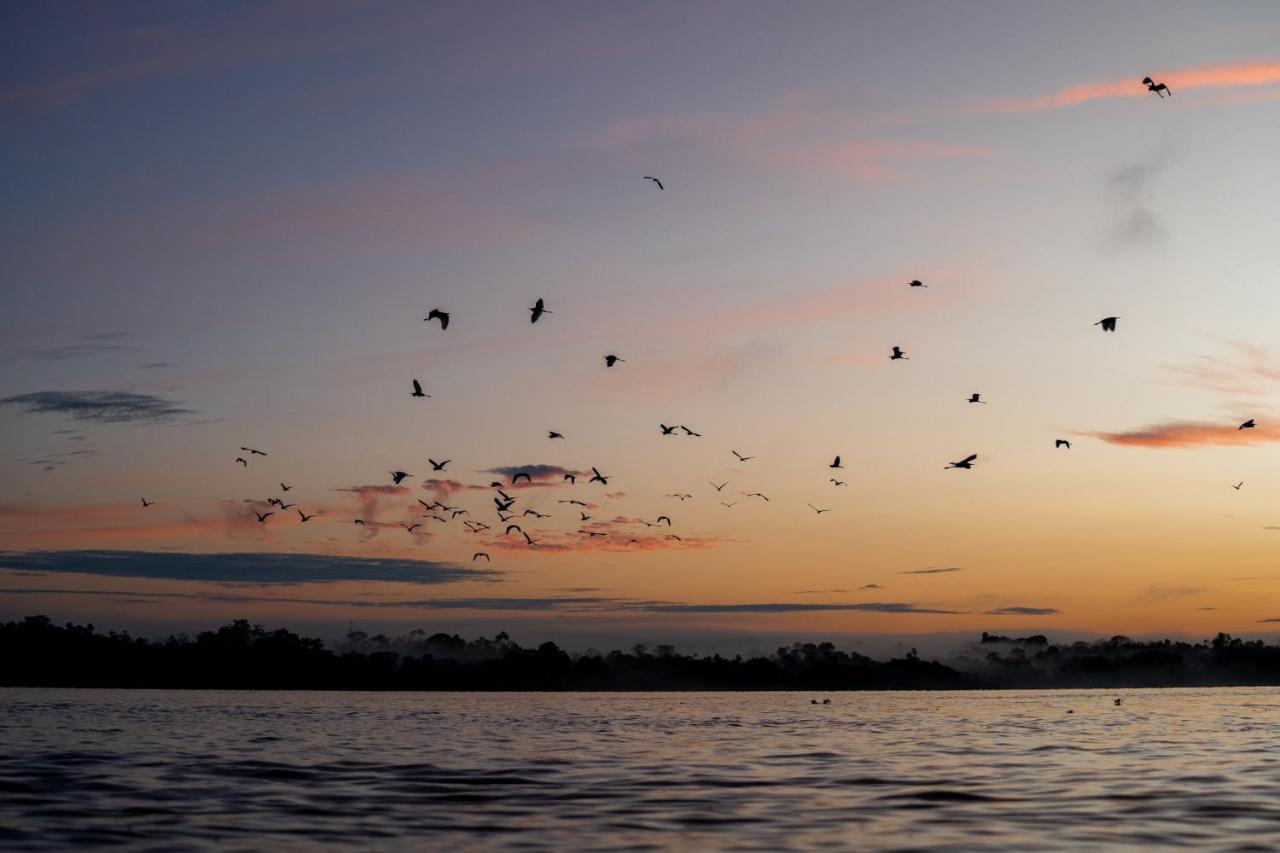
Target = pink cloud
(1183,434)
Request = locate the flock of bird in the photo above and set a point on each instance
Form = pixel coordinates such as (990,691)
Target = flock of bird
(504,503)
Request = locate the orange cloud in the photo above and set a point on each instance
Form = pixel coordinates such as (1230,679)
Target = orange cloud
(1189,434)
(1209,77)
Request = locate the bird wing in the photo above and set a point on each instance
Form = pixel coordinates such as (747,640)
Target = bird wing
(971,457)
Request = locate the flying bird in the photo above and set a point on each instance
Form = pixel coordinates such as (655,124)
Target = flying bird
(1249,424)
(398,476)
(836,464)
(262,517)
(417,390)
(572,502)
(515,527)
(818,511)
(1238,485)
(727,506)
(838,482)
(516,477)
(719,487)
(537,311)
(974,398)
(688,431)
(585,517)
(598,477)
(675,537)
(253,452)
(241,460)
(1160,89)
(681,497)
(668,430)
(1061,442)
(478,554)
(741,458)
(535,513)
(915,282)
(611,360)
(412,527)
(438,466)
(1108,324)
(554,434)
(283,506)
(146,503)
(966,463)
(663,518)
(437,314)
(592,533)
(897,354)
(358,521)
(572,478)
(305,518)
(758,495)
(285,488)
(656,181)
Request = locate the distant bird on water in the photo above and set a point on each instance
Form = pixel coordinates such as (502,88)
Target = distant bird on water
(966,463)
(1159,88)
(437,314)
(1249,424)
(656,181)
(898,354)
(1108,324)
(1119,701)
(611,360)
(146,503)
(1061,442)
(417,390)
(975,398)
(398,476)
(537,311)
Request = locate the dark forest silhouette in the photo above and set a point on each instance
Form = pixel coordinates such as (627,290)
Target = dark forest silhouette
(36,652)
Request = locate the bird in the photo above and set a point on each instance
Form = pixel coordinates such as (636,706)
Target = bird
(411,527)
(535,513)
(438,466)
(836,464)
(727,506)
(1061,442)
(253,452)
(758,495)
(537,311)
(503,506)
(529,539)
(417,390)
(305,517)
(592,533)
(572,502)
(554,434)
(358,521)
(504,495)
(585,517)
(515,478)
(1119,701)
(146,503)
(1159,88)
(668,430)
(1249,424)
(603,479)
(681,497)
(655,180)
(741,458)
(437,518)
(572,478)
(478,554)
(818,511)
(285,488)
(663,518)
(838,482)
(241,460)
(1108,324)
(915,282)
(398,476)
(274,501)
(515,527)
(718,488)
(688,431)
(1238,485)
(437,314)
(611,360)
(458,512)
(675,537)
(966,463)
(262,517)
(973,398)
(898,354)
(283,506)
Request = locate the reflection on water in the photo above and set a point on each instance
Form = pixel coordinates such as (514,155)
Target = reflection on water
(193,769)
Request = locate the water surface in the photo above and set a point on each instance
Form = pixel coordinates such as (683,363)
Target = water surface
(474,771)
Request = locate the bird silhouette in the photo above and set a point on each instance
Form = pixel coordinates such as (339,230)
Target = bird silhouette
(585,517)
(898,354)
(253,452)
(682,497)
(675,537)
(262,517)
(1159,88)
(836,464)
(718,488)
(838,482)
(438,466)
(656,181)
(965,463)
(554,434)
(592,533)
(515,478)
(611,360)
(668,430)
(1108,324)
(688,431)
(242,461)
(283,506)
(305,518)
(727,506)
(1061,442)
(503,506)
(1238,485)
(515,527)
(358,521)
(146,503)
(572,478)
(597,477)
(572,502)
(741,458)
(663,518)
(437,314)
(537,311)
(535,513)
(815,509)
(285,488)
(398,476)
(1249,424)
(758,495)
(478,554)
(457,512)
(915,282)
(417,390)
(411,527)
(974,398)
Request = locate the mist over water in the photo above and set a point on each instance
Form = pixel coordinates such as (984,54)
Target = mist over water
(300,770)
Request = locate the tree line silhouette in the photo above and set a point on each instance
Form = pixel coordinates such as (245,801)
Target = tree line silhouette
(35,652)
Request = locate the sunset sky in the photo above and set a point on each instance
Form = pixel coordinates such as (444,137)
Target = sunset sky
(223,224)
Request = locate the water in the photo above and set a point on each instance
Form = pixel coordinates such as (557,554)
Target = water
(193,769)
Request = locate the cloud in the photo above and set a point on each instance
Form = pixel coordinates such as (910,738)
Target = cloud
(1251,372)
(1129,190)
(868,607)
(1271,619)
(1159,592)
(1189,434)
(441,490)
(105,406)
(243,568)
(89,345)
(1187,79)
(870,586)
(932,571)
(540,475)
(1021,611)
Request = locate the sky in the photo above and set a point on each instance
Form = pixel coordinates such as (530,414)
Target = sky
(224,223)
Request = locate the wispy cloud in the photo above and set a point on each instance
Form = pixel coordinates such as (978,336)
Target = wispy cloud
(932,571)
(1186,79)
(243,568)
(106,406)
(1160,592)
(792,607)
(97,344)
(1250,370)
(1021,611)
(1134,223)
(1183,434)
